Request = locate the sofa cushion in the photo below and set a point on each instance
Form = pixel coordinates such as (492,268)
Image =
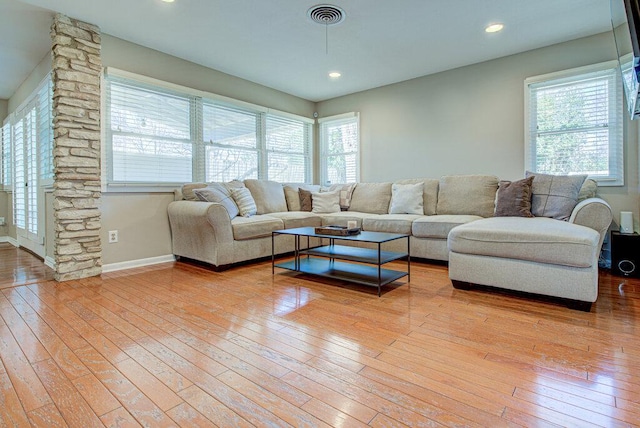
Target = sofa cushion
(269,195)
(371,198)
(391,223)
(244,201)
(539,239)
(293,219)
(406,198)
(429,193)
(467,194)
(256,226)
(439,226)
(293,197)
(555,196)
(341,218)
(325,202)
(216,192)
(188,188)
(514,198)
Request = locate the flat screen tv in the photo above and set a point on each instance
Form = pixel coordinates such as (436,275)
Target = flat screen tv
(625,20)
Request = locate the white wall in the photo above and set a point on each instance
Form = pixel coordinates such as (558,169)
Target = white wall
(470,120)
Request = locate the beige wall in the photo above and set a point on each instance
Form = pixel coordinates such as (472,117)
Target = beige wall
(127,56)
(4,110)
(470,120)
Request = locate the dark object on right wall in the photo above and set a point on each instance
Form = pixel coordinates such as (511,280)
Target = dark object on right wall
(625,254)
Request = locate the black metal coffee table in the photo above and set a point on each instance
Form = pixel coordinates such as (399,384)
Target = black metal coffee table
(345,262)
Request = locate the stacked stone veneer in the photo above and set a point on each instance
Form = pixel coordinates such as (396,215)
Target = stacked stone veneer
(76,154)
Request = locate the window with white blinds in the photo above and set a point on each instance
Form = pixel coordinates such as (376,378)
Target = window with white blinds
(575,124)
(5,152)
(44,115)
(149,130)
(19,180)
(231,142)
(157,135)
(288,147)
(340,149)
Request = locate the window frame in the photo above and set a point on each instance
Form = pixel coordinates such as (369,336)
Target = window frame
(616,130)
(199,146)
(351,117)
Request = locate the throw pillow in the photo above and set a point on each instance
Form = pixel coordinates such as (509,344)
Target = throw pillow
(346,191)
(554,196)
(588,190)
(325,202)
(244,201)
(406,198)
(305,200)
(514,198)
(216,192)
(188,188)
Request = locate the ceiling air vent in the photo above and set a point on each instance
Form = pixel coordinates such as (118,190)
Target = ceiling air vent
(326,14)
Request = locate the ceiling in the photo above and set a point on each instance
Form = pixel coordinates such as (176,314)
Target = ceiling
(274,43)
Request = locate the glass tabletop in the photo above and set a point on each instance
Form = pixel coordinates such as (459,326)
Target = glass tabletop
(364,236)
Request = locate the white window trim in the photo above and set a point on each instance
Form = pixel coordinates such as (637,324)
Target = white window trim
(322,151)
(169,187)
(607,65)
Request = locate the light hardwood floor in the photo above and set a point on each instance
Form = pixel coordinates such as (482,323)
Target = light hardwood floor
(177,344)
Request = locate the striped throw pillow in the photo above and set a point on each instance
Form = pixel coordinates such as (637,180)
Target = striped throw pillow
(244,201)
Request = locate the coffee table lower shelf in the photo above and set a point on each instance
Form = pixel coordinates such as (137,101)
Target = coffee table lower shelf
(352,272)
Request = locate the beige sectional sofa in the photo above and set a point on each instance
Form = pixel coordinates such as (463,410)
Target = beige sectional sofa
(205,231)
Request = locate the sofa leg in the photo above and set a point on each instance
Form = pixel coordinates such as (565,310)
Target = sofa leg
(579,305)
(460,285)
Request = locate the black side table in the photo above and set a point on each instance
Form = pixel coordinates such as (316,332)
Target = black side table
(625,254)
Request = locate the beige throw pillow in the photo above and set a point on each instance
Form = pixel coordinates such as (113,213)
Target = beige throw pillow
(406,198)
(325,202)
(217,192)
(244,201)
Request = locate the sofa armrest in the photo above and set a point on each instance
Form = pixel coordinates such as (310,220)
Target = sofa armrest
(201,231)
(594,213)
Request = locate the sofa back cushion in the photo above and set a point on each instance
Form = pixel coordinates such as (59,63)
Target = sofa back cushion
(429,195)
(467,194)
(269,195)
(371,198)
(188,188)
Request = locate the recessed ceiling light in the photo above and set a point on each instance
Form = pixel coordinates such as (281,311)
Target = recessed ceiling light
(494,28)
(334,74)
(168,1)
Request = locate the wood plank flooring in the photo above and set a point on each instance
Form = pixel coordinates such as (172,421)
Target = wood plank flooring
(179,345)
(19,267)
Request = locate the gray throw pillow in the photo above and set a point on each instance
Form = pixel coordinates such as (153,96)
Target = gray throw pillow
(555,196)
(514,198)
(244,201)
(218,193)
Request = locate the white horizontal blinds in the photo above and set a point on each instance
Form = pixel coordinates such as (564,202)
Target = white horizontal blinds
(19,180)
(5,165)
(230,137)
(576,126)
(340,150)
(31,170)
(45,130)
(150,134)
(288,148)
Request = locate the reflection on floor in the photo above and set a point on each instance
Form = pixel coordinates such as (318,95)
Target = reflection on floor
(19,267)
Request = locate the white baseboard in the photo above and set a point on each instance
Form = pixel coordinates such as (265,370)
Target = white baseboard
(50,261)
(112,267)
(9,239)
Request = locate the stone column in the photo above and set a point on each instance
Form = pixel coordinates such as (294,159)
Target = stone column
(76,148)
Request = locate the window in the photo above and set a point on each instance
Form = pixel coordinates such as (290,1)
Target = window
(159,133)
(339,149)
(575,124)
(288,150)
(5,152)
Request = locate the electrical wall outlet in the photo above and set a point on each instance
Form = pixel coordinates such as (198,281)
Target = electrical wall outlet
(113,236)
(2,221)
